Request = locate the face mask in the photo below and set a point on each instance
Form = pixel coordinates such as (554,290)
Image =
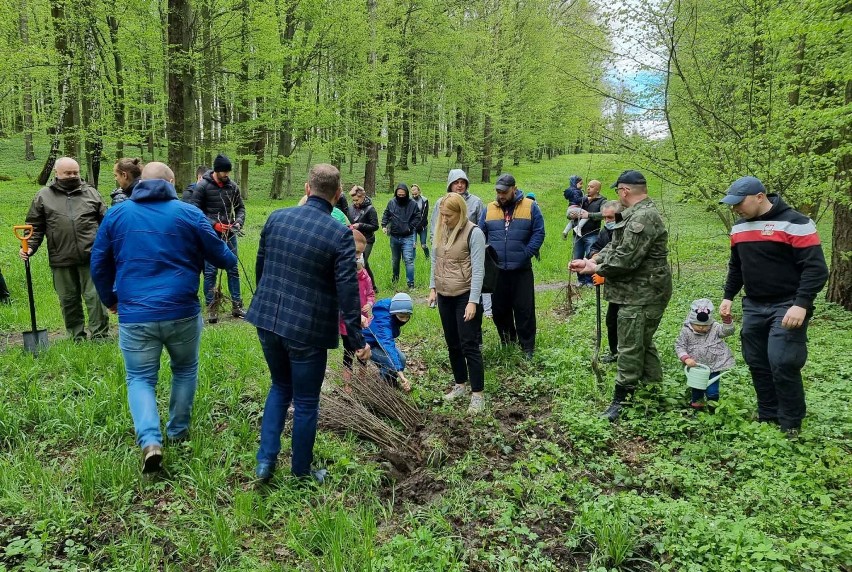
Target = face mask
(224,180)
(69,184)
(359,260)
(610,225)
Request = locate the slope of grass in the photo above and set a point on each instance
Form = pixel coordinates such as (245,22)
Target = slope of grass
(538,483)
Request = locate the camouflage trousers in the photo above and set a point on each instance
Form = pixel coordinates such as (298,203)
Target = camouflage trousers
(638,359)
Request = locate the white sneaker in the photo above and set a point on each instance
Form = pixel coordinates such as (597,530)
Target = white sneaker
(458,390)
(477,404)
(578,231)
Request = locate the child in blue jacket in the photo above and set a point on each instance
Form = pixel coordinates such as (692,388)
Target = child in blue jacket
(389,315)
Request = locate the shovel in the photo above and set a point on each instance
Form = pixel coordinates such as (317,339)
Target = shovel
(598,336)
(34,339)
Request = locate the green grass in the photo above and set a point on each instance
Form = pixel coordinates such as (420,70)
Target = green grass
(540,483)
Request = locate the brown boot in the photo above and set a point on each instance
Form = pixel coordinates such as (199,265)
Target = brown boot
(152,458)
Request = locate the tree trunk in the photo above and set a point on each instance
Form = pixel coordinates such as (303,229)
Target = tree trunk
(246,145)
(71,115)
(92,113)
(58,16)
(372,131)
(840,276)
(118,92)
(26,85)
(393,145)
(487,136)
(180,124)
(283,170)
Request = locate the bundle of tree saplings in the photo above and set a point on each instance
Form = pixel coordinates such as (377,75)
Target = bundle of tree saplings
(369,388)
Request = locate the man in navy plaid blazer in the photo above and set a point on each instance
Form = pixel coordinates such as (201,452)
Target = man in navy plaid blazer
(306,277)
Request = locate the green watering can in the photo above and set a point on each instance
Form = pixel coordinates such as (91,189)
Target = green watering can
(698,377)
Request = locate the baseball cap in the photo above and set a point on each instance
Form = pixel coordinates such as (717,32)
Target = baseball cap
(742,188)
(504,182)
(629,177)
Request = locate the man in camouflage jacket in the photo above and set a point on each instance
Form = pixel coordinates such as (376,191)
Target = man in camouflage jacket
(637,275)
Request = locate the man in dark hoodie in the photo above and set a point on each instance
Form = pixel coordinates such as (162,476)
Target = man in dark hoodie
(219,199)
(777,256)
(67,212)
(150,278)
(400,221)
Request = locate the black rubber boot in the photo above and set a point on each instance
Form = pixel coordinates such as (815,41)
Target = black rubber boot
(619,396)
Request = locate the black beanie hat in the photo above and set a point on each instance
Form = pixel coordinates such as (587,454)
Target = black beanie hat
(222,164)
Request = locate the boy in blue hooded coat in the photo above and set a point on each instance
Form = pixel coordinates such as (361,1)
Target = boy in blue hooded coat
(389,315)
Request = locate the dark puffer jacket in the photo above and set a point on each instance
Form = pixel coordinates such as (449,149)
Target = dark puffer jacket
(219,203)
(517,240)
(365,219)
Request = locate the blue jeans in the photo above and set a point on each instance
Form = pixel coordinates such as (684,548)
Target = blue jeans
(421,235)
(403,245)
(386,366)
(141,345)
(297,372)
(582,246)
(210,272)
(775,356)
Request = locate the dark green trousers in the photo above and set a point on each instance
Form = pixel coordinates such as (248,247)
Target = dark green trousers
(73,285)
(638,359)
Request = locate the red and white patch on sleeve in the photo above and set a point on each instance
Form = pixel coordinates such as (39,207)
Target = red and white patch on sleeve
(797,235)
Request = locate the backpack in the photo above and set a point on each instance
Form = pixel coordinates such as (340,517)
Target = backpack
(492,271)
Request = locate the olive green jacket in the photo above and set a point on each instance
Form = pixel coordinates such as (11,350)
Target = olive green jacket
(69,220)
(635,263)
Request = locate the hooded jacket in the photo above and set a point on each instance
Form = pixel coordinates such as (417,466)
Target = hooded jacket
(401,215)
(383,331)
(219,203)
(777,257)
(365,219)
(475,206)
(69,220)
(709,349)
(150,251)
(572,194)
(516,231)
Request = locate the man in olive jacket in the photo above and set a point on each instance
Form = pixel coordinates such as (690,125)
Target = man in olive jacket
(638,279)
(68,212)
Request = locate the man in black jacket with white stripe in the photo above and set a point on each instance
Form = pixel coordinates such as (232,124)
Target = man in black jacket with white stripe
(777,256)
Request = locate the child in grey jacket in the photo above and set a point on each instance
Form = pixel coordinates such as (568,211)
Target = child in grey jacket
(701,341)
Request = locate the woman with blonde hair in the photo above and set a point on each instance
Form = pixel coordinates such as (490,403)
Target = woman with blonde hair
(455,282)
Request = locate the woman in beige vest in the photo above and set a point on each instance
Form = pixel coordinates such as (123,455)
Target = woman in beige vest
(458,267)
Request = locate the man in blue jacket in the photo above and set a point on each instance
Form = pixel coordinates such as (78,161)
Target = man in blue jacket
(514,226)
(146,261)
(306,278)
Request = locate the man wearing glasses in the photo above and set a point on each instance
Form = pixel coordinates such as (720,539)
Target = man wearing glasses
(636,270)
